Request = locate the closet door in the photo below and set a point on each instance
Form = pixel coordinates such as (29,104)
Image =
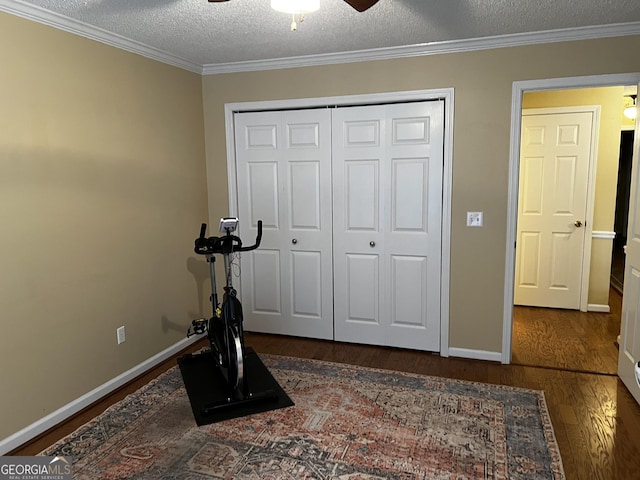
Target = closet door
(387,203)
(283,162)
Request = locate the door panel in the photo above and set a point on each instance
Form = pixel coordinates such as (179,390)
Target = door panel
(408,289)
(306,272)
(559,277)
(532,178)
(629,353)
(387,222)
(410,181)
(263,194)
(554,169)
(363,280)
(363,206)
(265,275)
(283,162)
(304,188)
(529,245)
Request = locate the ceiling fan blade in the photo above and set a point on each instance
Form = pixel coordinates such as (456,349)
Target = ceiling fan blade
(360,5)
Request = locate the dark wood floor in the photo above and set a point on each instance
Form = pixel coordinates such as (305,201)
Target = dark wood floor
(596,420)
(567,339)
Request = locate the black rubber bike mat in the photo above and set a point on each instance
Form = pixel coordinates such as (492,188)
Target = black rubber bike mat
(209,394)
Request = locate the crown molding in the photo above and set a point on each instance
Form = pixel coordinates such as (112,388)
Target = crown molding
(55,20)
(431,48)
(61,22)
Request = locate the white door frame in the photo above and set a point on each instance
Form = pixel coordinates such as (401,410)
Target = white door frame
(518,90)
(446,94)
(585,264)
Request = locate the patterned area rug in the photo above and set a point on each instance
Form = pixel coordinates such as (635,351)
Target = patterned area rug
(348,423)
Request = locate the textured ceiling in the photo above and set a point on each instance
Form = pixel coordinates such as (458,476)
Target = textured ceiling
(202,33)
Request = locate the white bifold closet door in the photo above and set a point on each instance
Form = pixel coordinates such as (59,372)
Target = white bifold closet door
(351,204)
(283,162)
(387,204)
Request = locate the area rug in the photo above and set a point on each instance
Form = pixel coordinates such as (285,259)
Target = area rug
(348,423)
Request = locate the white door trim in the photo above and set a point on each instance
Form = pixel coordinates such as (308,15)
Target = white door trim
(591,187)
(446,94)
(517,92)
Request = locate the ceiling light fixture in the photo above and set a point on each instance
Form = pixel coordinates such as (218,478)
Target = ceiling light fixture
(631,111)
(296,8)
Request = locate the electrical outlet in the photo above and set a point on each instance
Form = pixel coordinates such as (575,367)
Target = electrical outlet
(474,219)
(120,335)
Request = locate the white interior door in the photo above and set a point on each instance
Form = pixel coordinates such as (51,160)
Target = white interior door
(629,354)
(283,162)
(552,205)
(387,203)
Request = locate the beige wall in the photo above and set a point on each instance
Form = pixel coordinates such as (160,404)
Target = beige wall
(483,85)
(610,102)
(102,190)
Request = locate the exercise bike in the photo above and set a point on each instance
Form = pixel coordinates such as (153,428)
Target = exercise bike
(233,375)
(224,328)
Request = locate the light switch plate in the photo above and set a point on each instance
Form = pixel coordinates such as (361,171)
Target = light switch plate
(474,219)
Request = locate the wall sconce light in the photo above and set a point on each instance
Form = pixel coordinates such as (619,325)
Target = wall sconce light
(631,110)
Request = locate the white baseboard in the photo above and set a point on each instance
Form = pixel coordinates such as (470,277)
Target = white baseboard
(54,418)
(594,307)
(475,354)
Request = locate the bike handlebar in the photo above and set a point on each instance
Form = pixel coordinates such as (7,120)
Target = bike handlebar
(255,245)
(224,245)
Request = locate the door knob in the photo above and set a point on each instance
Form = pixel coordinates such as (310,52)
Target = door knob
(372,243)
(294,241)
(578,223)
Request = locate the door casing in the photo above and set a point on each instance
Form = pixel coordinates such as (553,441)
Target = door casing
(517,92)
(446,94)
